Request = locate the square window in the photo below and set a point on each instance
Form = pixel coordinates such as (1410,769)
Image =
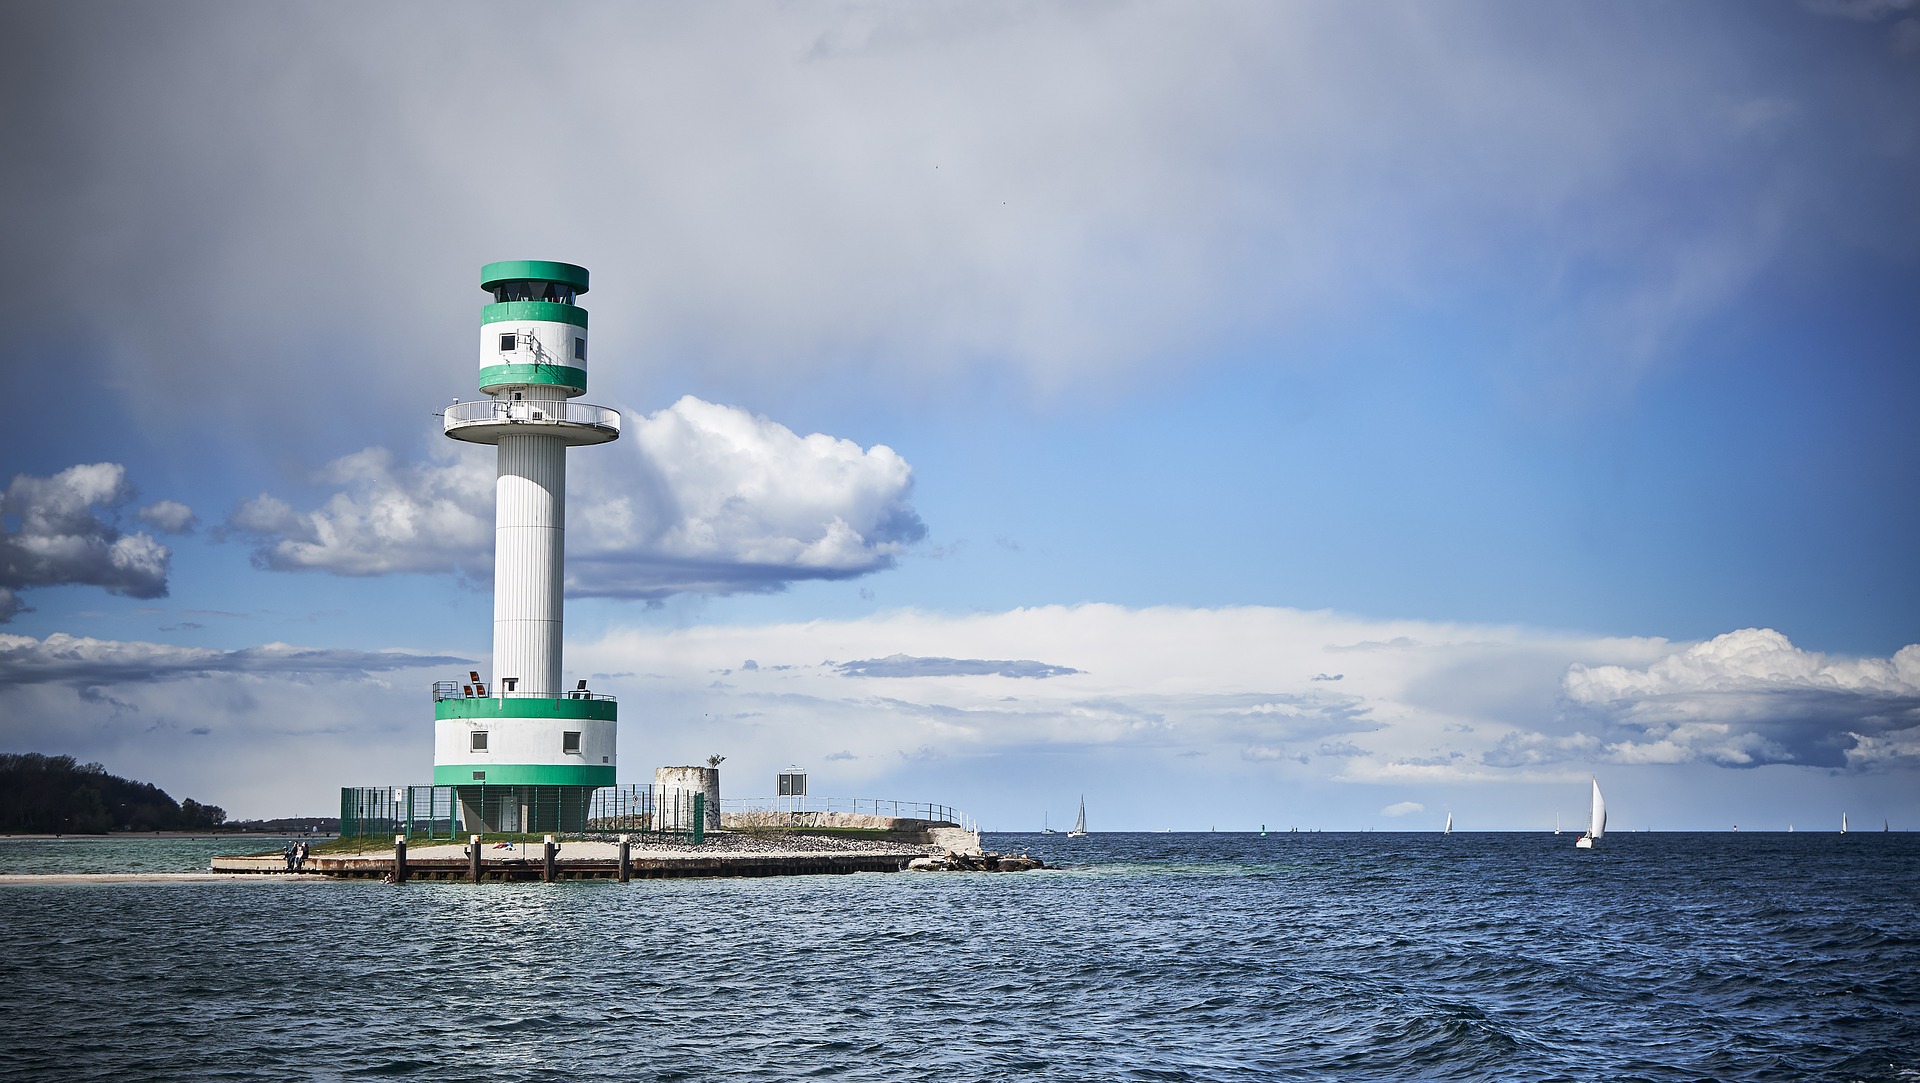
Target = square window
(506,343)
(479,776)
(477,741)
(570,742)
(579,348)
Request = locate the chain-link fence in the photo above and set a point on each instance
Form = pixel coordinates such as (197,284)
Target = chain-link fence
(454,812)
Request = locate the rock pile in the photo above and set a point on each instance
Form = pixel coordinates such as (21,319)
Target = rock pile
(952,862)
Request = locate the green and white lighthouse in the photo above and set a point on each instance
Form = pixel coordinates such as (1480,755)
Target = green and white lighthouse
(524,749)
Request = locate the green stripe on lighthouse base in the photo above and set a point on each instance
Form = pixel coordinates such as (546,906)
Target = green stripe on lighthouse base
(523,774)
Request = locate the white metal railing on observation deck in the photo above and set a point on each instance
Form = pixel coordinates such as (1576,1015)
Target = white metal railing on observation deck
(530,411)
(459,690)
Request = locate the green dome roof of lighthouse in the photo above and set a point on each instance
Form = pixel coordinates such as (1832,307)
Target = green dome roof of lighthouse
(537,270)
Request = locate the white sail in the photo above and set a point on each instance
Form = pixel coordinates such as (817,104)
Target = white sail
(1843,823)
(1080,824)
(1448,830)
(1597,817)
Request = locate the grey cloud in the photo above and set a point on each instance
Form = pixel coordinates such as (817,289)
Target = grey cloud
(1862,10)
(89,663)
(903,665)
(169,516)
(1746,699)
(68,533)
(925,224)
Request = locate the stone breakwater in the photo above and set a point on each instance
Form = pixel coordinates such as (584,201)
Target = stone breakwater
(983,862)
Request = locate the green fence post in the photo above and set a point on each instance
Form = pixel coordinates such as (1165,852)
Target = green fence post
(699,818)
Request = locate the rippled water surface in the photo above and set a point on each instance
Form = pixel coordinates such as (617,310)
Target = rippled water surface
(1148,957)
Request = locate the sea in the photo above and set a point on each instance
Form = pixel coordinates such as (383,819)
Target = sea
(1150,957)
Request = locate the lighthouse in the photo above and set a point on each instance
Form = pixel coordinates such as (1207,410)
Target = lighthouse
(522,747)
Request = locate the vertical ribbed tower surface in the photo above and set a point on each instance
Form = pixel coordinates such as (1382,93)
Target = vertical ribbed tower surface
(520,728)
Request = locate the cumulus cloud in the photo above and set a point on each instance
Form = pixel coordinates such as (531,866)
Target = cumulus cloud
(1403,808)
(1750,697)
(68,532)
(901,665)
(722,501)
(698,498)
(391,517)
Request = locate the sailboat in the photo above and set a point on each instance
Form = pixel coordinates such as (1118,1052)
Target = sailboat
(1843,823)
(1448,830)
(1596,820)
(1556,823)
(1080,825)
(1044,829)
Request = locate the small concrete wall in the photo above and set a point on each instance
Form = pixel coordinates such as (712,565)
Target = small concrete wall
(899,828)
(694,780)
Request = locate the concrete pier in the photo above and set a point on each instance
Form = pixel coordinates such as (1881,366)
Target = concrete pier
(533,865)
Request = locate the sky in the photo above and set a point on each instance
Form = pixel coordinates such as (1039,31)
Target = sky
(1319,415)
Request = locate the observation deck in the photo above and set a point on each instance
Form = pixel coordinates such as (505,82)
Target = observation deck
(576,424)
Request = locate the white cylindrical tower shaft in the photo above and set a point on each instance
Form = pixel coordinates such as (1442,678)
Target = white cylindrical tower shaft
(530,525)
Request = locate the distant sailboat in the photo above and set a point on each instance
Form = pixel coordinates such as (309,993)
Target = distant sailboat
(1596,820)
(1843,823)
(1448,830)
(1556,823)
(1080,825)
(1044,829)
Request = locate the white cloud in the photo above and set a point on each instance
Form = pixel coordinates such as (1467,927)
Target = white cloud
(1751,697)
(82,660)
(718,500)
(392,517)
(169,516)
(68,533)
(1403,808)
(1229,685)
(697,498)
(290,724)
(1166,707)
(1420,703)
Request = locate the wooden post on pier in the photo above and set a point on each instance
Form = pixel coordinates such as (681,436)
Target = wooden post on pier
(473,857)
(626,858)
(547,873)
(399,859)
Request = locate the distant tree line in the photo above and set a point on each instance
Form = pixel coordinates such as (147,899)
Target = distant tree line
(55,795)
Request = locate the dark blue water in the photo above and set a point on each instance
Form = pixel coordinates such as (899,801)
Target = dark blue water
(1150,957)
